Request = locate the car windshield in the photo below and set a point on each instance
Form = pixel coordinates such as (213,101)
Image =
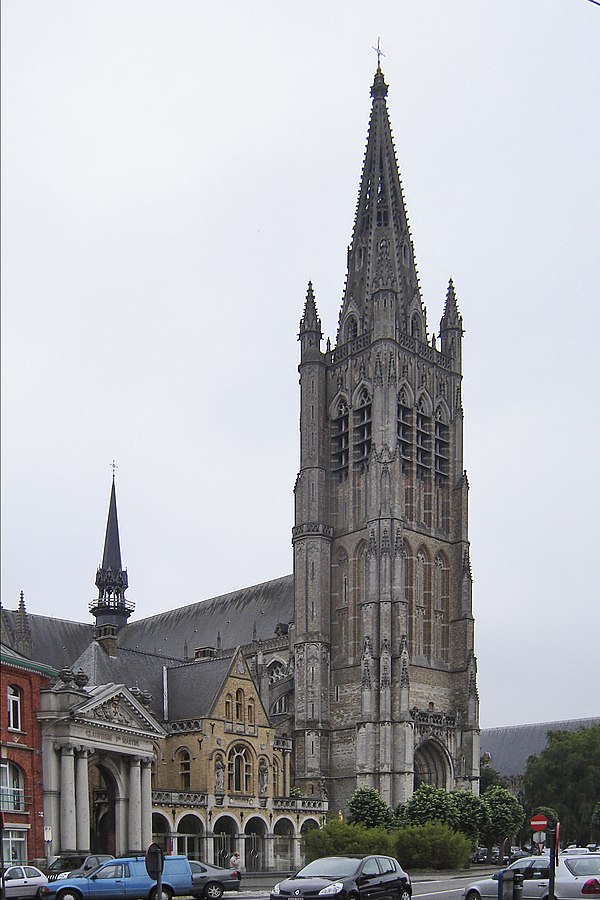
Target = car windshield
(587,865)
(330,867)
(66,862)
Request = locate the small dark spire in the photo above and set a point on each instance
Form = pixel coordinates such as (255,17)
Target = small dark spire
(111,558)
(111,608)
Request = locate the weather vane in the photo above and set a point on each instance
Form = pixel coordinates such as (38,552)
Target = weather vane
(114,467)
(379,52)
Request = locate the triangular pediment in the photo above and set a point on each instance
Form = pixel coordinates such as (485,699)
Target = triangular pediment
(238,670)
(114,706)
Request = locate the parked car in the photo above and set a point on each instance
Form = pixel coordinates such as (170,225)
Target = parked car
(124,877)
(480,855)
(74,864)
(576,876)
(23,881)
(210,881)
(347,876)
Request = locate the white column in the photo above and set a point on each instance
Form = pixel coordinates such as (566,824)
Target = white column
(82,799)
(51,782)
(134,819)
(67,798)
(146,803)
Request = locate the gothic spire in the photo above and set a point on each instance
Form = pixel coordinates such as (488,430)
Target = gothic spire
(111,608)
(380,256)
(310,320)
(111,558)
(451,318)
(310,333)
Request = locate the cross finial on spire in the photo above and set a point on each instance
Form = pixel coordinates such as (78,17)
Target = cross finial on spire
(114,467)
(379,52)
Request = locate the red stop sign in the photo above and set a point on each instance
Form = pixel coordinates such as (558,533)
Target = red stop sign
(539,823)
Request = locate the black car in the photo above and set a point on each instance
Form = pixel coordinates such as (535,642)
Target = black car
(373,877)
(72,865)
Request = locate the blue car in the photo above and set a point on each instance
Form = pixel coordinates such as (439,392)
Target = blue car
(124,878)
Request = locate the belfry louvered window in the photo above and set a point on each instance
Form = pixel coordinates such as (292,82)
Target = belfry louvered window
(423,441)
(362,428)
(405,428)
(442,447)
(340,441)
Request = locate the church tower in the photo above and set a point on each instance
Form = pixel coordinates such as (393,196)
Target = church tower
(385,672)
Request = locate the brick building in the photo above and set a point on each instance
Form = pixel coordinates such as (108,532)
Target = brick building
(21,790)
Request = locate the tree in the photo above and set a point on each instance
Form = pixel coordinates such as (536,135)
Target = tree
(428,804)
(489,777)
(505,813)
(595,821)
(566,776)
(367,807)
(470,815)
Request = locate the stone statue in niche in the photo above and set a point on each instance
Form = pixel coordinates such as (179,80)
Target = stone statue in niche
(219,776)
(263,778)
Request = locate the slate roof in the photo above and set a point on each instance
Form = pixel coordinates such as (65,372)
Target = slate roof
(193,688)
(55,642)
(129,667)
(236,619)
(510,747)
(13,657)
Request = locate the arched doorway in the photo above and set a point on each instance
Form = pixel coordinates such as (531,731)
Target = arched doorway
(161,832)
(225,832)
(255,832)
(190,837)
(283,845)
(103,789)
(432,765)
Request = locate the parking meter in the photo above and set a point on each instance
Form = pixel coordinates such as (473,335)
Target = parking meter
(518,886)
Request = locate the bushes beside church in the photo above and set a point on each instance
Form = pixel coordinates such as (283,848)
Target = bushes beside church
(435,829)
(433,845)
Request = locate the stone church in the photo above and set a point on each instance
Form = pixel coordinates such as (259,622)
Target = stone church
(356,670)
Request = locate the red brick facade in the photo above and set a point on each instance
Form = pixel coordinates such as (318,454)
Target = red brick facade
(21,794)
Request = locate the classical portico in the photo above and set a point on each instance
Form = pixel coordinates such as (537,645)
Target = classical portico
(97,748)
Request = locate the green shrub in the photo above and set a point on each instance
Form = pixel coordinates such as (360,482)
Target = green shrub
(341,839)
(433,845)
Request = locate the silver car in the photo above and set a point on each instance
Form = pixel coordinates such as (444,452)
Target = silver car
(576,876)
(23,881)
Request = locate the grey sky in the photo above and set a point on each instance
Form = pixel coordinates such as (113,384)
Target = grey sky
(173,175)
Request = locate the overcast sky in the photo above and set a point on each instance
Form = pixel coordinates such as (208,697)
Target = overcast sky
(173,175)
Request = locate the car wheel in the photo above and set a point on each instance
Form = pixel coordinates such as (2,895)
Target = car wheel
(68,894)
(404,894)
(473,895)
(166,893)
(213,890)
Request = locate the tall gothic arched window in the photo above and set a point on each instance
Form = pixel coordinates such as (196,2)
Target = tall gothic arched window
(239,770)
(362,428)
(239,705)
